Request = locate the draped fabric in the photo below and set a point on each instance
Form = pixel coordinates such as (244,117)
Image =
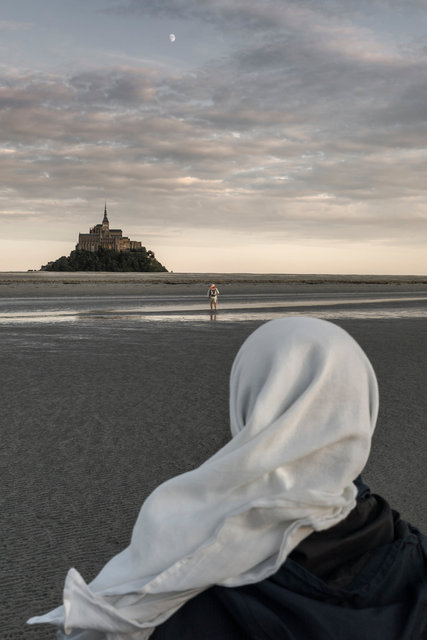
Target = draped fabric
(303,406)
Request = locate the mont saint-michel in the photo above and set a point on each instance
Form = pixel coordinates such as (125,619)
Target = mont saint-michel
(105,249)
(102,237)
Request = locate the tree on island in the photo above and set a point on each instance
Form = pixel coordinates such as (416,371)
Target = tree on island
(106,260)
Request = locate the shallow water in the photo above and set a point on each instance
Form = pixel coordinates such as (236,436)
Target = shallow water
(134,310)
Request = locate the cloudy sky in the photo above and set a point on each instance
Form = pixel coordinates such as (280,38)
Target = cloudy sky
(281,136)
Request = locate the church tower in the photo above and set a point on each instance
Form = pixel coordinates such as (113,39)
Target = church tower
(105,223)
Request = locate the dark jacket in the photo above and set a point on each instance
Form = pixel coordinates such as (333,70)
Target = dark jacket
(366,578)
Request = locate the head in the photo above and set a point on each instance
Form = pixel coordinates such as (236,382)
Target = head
(213,286)
(309,381)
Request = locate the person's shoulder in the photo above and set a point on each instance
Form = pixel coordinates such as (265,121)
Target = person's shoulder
(420,538)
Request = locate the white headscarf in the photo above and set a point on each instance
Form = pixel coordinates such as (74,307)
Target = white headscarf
(303,406)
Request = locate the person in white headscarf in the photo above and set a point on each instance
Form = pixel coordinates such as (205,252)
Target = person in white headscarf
(274,519)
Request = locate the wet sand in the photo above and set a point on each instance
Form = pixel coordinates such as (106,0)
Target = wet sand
(95,415)
(47,283)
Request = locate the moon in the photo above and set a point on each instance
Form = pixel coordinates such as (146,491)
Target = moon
(172,37)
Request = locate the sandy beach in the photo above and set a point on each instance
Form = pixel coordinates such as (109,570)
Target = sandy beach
(100,408)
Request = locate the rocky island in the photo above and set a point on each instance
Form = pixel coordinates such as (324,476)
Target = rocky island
(105,249)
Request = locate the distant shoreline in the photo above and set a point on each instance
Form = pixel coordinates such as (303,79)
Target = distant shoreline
(7,277)
(90,283)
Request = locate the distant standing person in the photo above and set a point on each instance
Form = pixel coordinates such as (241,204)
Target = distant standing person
(213,294)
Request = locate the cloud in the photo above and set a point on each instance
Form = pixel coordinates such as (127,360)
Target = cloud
(12,25)
(314,127)
(114,86)
(220,12)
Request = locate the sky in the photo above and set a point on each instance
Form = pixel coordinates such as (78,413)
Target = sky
(281,136)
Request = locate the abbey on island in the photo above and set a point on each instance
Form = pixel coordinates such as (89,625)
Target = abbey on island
(105,249)
(102,237)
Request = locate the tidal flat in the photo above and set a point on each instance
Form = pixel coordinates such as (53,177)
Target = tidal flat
(109,388)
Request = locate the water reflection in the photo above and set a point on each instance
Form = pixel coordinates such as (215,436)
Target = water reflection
(167,309)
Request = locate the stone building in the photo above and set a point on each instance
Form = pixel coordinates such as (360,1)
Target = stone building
(101,236)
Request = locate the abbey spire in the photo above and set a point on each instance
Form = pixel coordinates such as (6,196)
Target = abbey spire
(105,223)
